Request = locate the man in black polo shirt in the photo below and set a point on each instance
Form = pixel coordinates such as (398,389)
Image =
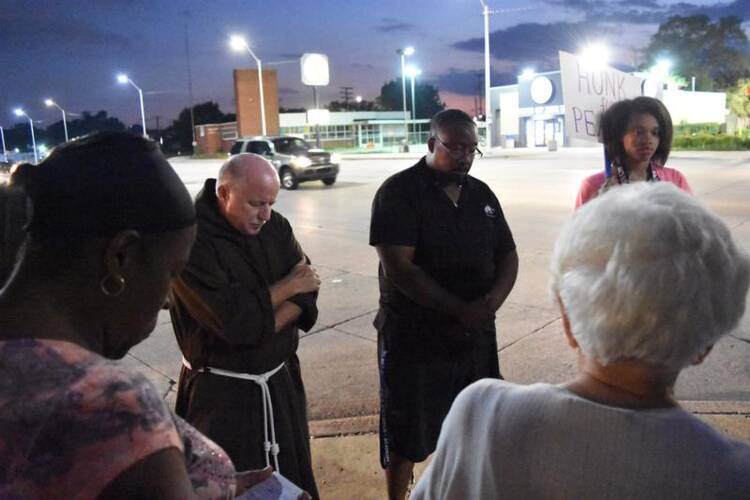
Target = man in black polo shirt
(447,263)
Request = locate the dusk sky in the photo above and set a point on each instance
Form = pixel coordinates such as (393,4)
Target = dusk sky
(71,51)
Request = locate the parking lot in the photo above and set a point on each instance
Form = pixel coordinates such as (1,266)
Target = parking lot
(536,190)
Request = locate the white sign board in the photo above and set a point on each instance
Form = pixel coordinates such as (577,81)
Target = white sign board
(314,68)
(318,117)
(588,90)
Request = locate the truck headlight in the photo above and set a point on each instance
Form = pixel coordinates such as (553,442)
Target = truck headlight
(335,158)
(301,161)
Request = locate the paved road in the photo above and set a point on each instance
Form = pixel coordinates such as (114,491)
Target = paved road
(536,190)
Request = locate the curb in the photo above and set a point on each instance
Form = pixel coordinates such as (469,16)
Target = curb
(739,408)
(345,426)
(367,424)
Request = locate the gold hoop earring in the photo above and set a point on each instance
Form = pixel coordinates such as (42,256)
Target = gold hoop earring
(110,293)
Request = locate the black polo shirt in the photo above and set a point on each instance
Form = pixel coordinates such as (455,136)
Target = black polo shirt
(458,246)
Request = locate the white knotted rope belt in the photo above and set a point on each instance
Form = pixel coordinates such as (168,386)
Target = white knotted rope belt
(270,446)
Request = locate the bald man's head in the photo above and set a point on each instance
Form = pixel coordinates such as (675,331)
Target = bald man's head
(246,189)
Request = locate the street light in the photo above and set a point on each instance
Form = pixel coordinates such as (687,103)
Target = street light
(238,44)
(413,73)
(595,57)
(2,139)
(21,112)
(407,51)
(660,70)
(123,78)
(50,102)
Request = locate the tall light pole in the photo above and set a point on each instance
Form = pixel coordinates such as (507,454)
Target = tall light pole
(407,51)
(186,13)
(2,139)
(413,73)
(237,43)
(122,78)
(21,112)
(487,110)
(50,102)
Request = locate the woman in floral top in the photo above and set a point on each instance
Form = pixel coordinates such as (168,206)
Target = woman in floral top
(111,225)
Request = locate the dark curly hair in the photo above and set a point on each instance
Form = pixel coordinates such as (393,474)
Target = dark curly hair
(613,125)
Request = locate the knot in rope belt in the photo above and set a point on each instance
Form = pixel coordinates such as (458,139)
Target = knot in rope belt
(269,445)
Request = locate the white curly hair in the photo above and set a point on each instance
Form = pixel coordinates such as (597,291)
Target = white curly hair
(646,272)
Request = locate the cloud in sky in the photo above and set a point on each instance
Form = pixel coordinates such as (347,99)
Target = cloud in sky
(469,83)
(513,43)
(391,25)
(649,11)
(20,29)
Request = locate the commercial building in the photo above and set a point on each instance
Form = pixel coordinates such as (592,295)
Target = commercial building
(366,130)
(532,112)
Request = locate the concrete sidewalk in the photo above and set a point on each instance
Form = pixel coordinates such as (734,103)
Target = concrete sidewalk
(344,437)
(347,466)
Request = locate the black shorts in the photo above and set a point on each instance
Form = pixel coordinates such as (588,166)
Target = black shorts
(418,386)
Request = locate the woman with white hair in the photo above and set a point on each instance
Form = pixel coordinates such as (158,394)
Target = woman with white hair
(647,281)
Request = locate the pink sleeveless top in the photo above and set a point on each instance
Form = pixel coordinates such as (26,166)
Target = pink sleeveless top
(592,184)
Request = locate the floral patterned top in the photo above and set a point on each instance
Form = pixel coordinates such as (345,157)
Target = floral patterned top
(71,421)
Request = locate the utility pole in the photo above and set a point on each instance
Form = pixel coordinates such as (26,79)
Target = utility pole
(486,12)
(480,95)
(346,96)
(186,13)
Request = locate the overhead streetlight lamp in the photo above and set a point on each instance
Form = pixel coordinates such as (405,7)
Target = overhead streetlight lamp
(50,102)
(238,44)
(123,78)
(407,51)
(661,69)
(358,99)
(527,74)
(595,57)
(21,112)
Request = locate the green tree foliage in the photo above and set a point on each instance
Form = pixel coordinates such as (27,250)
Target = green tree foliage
(352,106)
(738,99)
(426,95)
(179,136)
(715,53)
(86,124)
(19,136)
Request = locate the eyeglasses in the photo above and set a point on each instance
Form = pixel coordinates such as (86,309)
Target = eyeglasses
(459,152)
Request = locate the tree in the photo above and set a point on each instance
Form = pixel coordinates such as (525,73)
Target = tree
(738,101)
(352,106)
(426,95)
(181,129)
(714,53)
(86,124)
(19,136)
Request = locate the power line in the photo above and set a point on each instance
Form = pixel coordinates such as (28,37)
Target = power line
(346,95)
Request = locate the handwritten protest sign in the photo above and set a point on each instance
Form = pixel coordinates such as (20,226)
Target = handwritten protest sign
(588,91)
